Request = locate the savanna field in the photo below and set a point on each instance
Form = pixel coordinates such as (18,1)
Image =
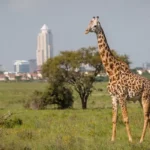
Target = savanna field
(71,129)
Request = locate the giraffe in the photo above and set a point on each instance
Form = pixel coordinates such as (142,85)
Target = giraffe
(123,85)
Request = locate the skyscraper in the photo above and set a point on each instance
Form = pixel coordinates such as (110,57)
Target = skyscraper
(32,65)
(44,46)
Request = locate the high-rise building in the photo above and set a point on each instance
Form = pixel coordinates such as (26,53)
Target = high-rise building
(44,46)
(21,66)
(1,68)
(32,65)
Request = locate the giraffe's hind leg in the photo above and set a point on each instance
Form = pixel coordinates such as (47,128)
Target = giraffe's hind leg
(146,111)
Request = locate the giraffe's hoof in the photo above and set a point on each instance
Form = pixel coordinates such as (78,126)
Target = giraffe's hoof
(141,140)
(130,140)
(112,140)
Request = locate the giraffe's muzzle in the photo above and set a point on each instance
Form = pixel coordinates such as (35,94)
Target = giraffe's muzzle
(86,31)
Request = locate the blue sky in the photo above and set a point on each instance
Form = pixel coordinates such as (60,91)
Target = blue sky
(126,24)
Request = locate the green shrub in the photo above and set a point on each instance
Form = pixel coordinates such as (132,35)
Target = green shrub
(146,75)
(60,95)
(12,122)
(35,101)
(101,79)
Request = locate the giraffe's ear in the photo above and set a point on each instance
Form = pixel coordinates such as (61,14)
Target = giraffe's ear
(94,17)
(97,17)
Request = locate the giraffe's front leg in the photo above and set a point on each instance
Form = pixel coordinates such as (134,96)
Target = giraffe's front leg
(146,111)
(114,116)
(123,105)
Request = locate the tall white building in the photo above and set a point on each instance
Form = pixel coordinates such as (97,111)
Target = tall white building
(44,46)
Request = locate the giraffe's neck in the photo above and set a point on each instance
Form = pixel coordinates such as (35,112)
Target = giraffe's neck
(112,65)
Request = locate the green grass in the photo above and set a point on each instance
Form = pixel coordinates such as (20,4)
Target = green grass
(73,129)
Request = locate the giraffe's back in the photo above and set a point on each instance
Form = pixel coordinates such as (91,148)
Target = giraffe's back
(130,85)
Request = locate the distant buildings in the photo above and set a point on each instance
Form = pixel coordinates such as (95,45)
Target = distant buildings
(44,46)
(21,66)
(24,66)
(1,68)
(32,65)
(8,76)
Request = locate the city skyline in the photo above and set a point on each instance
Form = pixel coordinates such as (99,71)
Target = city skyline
(125,23)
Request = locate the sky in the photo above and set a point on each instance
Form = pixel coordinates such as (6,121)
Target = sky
(126,24)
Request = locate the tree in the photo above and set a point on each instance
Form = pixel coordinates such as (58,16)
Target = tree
(6,78)
(1,72)
(69,67)
(124,57)
(18,78)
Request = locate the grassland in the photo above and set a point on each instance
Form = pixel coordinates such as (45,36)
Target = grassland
(71,129)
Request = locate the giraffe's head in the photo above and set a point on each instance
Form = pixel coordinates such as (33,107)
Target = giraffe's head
(94,25)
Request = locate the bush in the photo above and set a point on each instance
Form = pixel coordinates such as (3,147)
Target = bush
(146,75)
(12,122)
(101,79)
(60,95)
(35,101)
